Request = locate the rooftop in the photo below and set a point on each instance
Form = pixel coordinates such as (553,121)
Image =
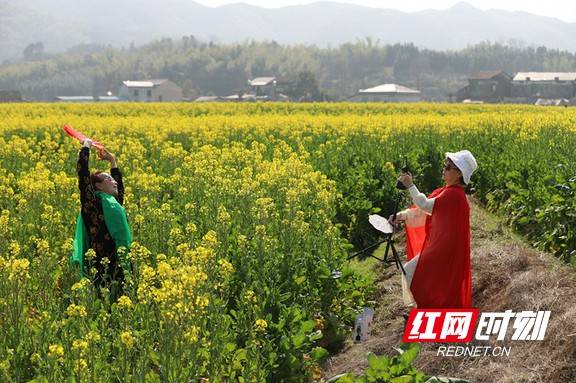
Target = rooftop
(389,88)
(545,76)
(144,83)
(262,81)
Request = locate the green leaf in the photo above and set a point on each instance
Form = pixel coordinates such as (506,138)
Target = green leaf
(397,369)
(316,335)
(378,363)
(152,377)
(299,280)
(153,356)
(441,379)
(285,296)
(40,379)
(319,353)
(307,326)
(410,354)
(239,357)
(298,340)
(347,378)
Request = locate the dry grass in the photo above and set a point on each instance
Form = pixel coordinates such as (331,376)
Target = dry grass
(507,275)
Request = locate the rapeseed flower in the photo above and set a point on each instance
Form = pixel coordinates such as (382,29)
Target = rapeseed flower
(18,269)
(55,351)
(81,285)
(124,302)
(260,325)
(127,339)
(74,310)
(80,366)
(79,345)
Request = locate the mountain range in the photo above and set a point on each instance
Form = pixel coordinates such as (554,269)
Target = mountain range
(62,24)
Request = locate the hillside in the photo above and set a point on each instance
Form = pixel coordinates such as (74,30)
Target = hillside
(507,275)
(62,24)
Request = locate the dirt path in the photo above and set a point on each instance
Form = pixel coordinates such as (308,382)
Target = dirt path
(507,275)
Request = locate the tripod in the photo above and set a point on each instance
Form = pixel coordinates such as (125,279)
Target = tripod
(389,239)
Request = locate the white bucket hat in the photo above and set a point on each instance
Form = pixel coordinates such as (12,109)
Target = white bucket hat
(465,162)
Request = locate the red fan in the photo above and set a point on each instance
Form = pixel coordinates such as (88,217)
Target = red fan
(81,137)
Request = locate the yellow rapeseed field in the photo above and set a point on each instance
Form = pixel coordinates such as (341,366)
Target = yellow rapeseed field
(240,214)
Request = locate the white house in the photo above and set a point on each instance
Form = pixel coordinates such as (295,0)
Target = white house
(263,87)
(549,85)
(160,90)
(387,93)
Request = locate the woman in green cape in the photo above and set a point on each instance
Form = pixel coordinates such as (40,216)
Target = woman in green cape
(101,224)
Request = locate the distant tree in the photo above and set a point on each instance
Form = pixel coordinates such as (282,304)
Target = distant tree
(86,48)
(188,90)
(306,88)
(189,42)
(34,52)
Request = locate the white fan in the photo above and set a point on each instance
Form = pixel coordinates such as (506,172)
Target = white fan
(380,223)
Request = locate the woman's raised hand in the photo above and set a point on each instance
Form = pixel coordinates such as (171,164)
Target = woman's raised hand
(406,179)
(104,154)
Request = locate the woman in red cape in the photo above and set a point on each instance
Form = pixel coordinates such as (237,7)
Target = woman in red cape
(438,239)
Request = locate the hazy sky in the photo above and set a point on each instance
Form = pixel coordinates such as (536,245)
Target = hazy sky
(562,9)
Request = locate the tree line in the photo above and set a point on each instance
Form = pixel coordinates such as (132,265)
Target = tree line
(308,72)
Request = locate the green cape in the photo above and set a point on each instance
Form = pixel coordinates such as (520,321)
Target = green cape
(117,224)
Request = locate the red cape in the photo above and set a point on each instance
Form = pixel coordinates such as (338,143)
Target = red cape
(442,278)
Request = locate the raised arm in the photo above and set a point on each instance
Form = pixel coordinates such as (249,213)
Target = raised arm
(117,175)
(419,199)
(87,196)
(114,172)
